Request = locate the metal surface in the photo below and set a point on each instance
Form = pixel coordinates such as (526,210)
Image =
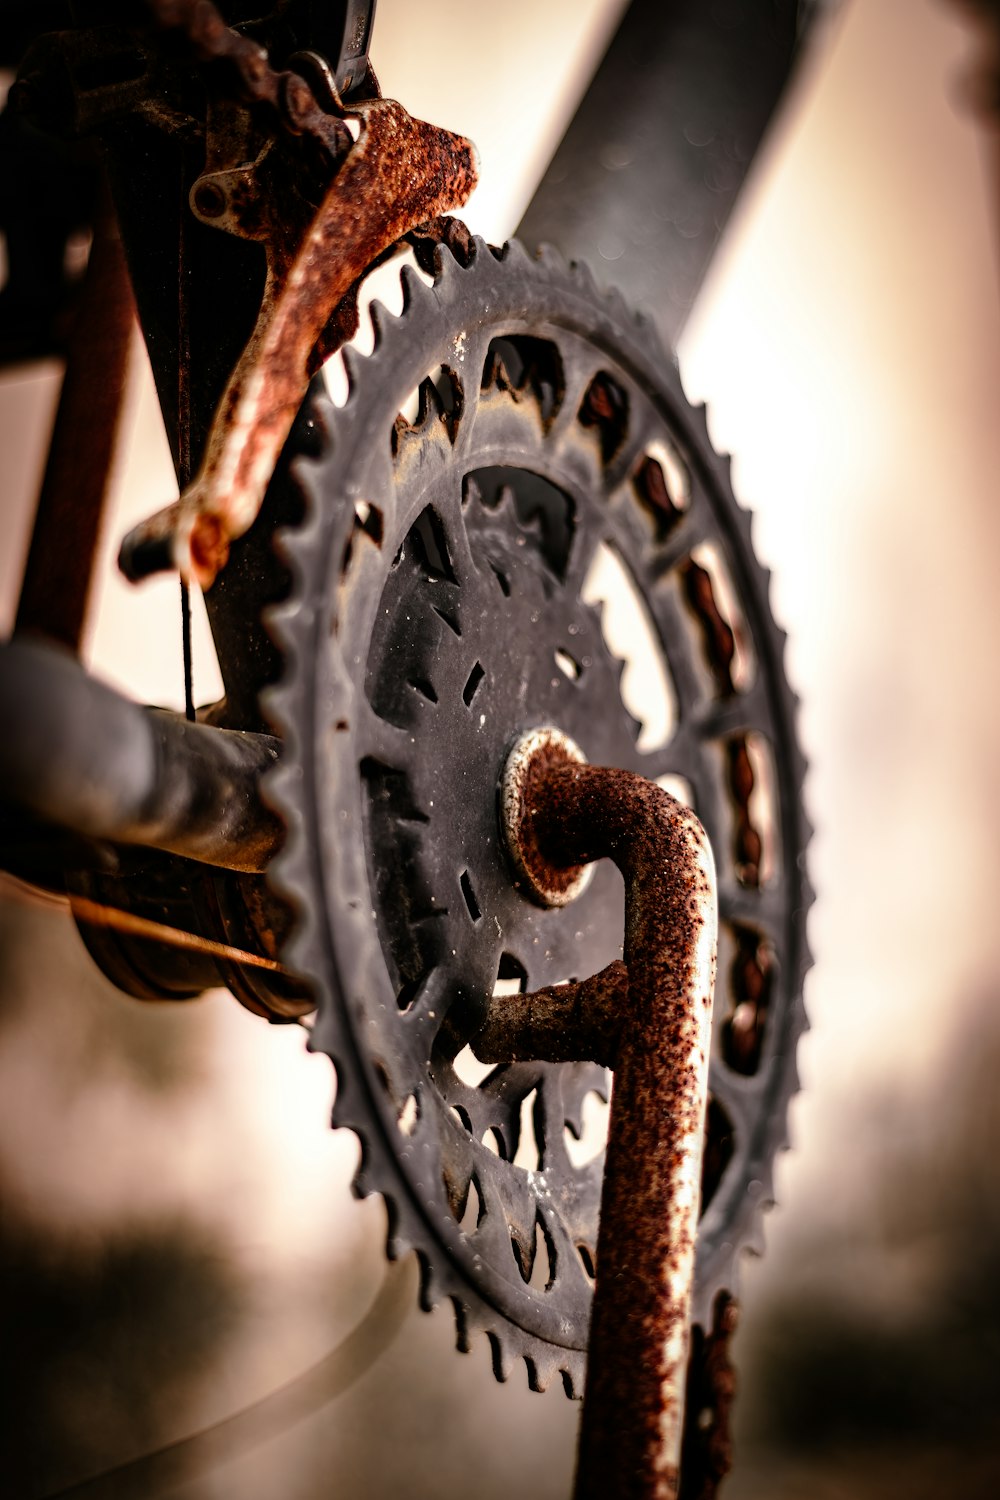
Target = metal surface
(198,291)
(548,427)
(94,914)
(347,34)
(78,754)
(570,814)
(651,165)
(707,1456)
(400,173)
(581,1018)
(549,885)
(437,602)
(57,575)
(130,904)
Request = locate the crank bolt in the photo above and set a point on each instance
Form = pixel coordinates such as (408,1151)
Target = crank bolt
(209,200)
(546,882)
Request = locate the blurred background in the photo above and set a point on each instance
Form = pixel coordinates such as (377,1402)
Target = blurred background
(177,1235)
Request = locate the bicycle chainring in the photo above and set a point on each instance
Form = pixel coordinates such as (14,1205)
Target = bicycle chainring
(454,585)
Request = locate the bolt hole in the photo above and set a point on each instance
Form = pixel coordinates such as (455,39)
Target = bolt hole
(470,896)
(567,665)
(210,200)
(472,686)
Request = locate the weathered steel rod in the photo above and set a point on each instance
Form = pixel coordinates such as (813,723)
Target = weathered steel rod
(82,757)
(560,814)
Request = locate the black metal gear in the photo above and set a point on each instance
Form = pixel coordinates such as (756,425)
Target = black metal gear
(439,609)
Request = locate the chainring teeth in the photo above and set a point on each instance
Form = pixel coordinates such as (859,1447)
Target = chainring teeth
(419,1214)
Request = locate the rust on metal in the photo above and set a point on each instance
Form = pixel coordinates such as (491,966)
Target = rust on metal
(398,174)
(572,814)
(707,1453)
(454,234)
(577,1022)
(548,883)
(57,578)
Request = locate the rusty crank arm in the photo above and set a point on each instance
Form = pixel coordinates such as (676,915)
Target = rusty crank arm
(650,1019)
